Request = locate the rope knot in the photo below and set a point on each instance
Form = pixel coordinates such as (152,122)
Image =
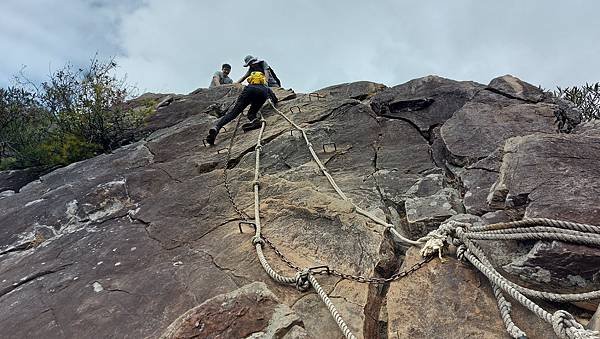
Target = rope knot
(258,240)
(256,183)
(566,327)
(302,283)
(436,240)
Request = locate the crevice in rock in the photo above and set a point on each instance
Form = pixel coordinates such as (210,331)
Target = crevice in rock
(483,169)
(149,151)
(375,325)
(169,174)
(233,162)
(506,95)
(282,332)
(20,247)
(221,268)
(424,134)
(346,105)
(336,155)
(30,278)
(430,133)
(146,224)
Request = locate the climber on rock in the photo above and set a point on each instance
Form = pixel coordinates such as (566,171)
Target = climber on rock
(221,77)
(255,95)
(255,65)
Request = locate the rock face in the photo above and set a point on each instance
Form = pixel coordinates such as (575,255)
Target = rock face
(14,180)
(513,87)
(457,309)
(251,311)
(145,242)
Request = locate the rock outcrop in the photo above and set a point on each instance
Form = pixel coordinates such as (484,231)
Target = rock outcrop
(145,241)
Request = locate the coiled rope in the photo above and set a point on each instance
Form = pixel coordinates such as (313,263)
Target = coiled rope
(463,234)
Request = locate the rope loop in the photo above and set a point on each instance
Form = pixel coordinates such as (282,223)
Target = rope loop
(302,282)
(566,327)
(460,254)
(258,240)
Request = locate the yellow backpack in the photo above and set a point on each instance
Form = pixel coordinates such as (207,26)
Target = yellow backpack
(257,78)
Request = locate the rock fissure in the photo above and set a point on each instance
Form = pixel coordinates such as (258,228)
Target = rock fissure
(233,162)
(375,323)
(483,169)
(171,176)
(220,267)
(424,134)
(31,278)
(346,105)
(509,96)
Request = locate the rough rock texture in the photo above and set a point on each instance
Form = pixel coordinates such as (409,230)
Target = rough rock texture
(252,311)
(477,129)
(124,244)
(459,303)
(360,90)
(553,176)
(424,102)
(14,180)
(594,323)
(515,88)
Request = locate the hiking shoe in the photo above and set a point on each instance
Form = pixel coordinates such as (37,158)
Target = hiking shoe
(254,124)
(212,135)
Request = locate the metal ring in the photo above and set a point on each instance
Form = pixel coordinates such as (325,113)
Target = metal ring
(327,144)
(316,95)
(319,269)
(246,223)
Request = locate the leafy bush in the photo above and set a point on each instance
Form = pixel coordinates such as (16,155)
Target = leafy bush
(586,98)
(24,125)
(73,116)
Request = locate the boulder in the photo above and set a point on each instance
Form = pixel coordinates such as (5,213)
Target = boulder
(15,179)
(360,90)
(251,311)
(424,102)
(451,300)
(513,87)
(553,176)
(477,129)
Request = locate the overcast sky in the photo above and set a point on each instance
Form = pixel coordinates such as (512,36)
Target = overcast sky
(176,46)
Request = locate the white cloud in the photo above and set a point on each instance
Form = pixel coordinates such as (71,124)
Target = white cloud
(175,46)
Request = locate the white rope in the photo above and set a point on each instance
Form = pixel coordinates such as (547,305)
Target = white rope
(338,189)
(302,280)
(334,313)
(461,234)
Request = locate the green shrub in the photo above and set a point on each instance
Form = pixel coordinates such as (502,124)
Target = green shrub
(586,98)
(65,149)
(75,115)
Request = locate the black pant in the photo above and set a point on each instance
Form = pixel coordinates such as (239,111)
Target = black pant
(252,95)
